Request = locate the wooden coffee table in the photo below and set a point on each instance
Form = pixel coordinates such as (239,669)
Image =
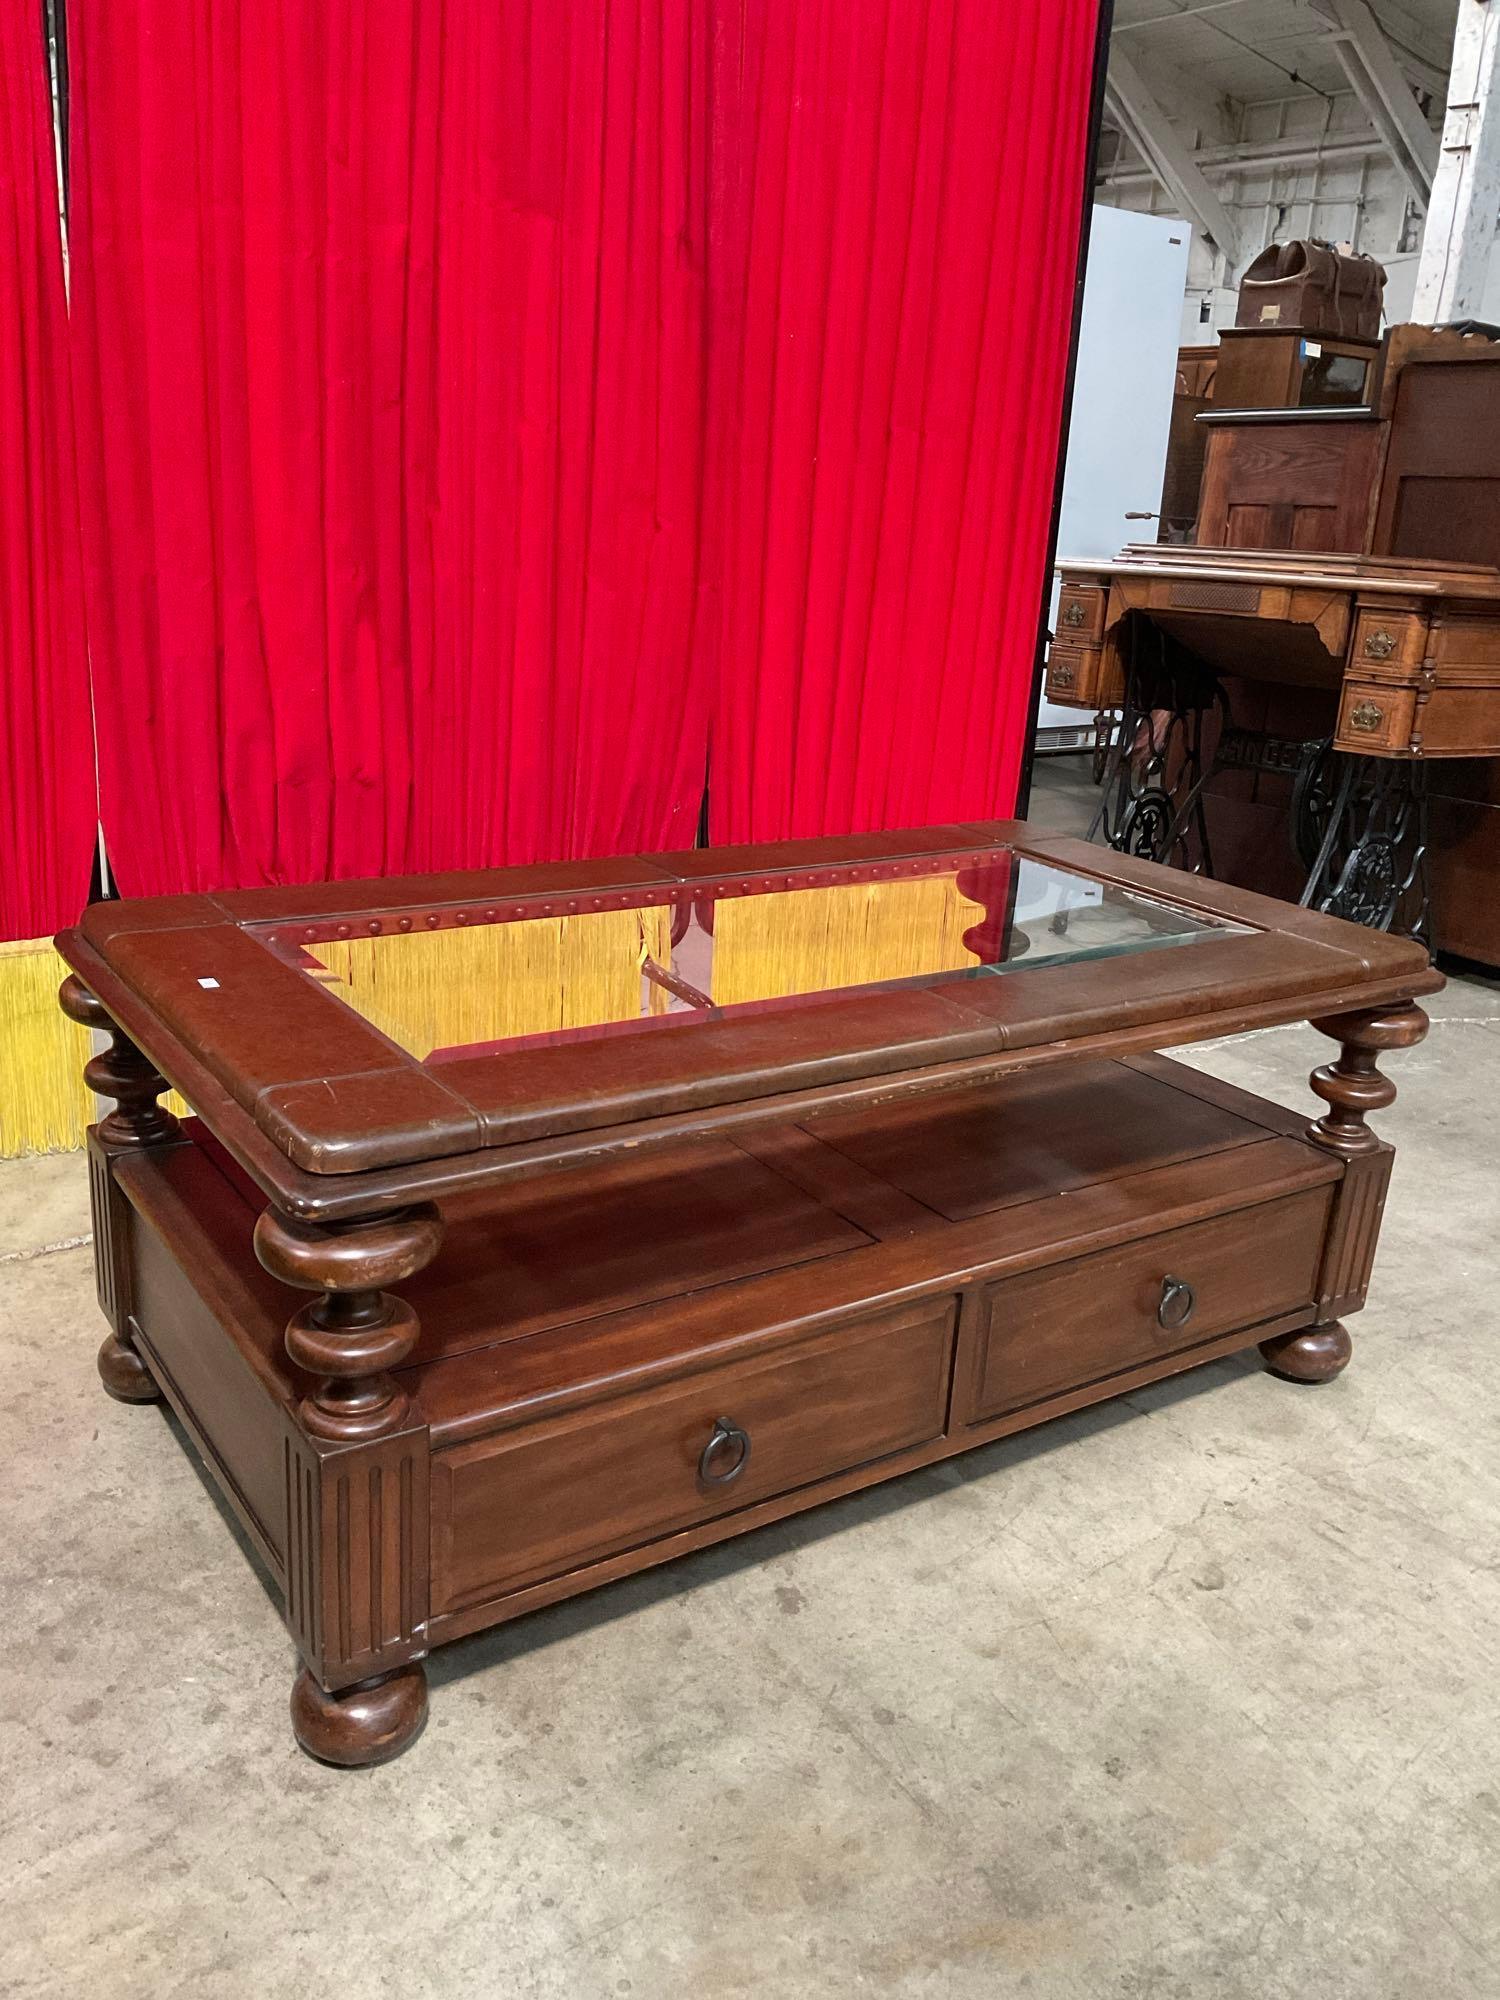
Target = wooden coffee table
(644,1201)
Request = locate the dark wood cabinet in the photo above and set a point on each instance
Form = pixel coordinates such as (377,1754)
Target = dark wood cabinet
(1440,489)
(1306,482)
(1268,369)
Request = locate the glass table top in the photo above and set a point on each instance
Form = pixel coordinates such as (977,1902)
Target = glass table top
(443,982)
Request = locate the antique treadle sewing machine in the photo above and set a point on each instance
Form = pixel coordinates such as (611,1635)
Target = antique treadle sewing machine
(1307,699)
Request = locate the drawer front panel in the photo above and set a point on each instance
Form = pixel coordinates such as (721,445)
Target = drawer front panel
(1070,1324)
(536,1502)
(1387,643)
(1374,717)
(1080,613)
(1070,673)
(1084,676)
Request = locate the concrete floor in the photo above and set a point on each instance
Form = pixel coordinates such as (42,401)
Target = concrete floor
(1190,1694)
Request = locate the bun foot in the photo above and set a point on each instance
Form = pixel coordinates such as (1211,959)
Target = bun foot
(1314,1356)
(367,1724)
(124,1374)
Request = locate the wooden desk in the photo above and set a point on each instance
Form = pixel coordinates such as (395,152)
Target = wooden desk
(590,1294)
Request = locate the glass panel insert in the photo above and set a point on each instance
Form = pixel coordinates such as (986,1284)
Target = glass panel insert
(448,981)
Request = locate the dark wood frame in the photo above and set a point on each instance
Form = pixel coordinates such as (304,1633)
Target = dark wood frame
(1265,367)
(869,1253)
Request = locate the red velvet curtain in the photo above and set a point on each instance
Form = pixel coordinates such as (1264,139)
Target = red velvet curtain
(898,190)
(46,755)
(389,354)
(473,397)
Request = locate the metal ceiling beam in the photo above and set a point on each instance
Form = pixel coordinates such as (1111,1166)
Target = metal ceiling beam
(1151,132)
(1185,13)
(1370,64)
(1261,156)
(1460,232)
(1418,54)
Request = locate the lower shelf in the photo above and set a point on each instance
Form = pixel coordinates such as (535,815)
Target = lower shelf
(769,1325)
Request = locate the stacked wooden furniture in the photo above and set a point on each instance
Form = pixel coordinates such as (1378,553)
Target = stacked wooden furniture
(1345,585)
(1416,472)
(462,1333)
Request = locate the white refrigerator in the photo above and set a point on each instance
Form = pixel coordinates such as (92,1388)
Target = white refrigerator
(1122,399)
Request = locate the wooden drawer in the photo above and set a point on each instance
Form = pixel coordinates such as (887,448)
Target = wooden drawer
(1070,673)
(1374,717)
(1070,1324)
(1080,614)
(539,1501)
(1387,643)
(1078,676)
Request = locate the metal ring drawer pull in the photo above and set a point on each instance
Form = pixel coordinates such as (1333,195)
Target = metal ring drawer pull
(1175,1306)
(725,1434)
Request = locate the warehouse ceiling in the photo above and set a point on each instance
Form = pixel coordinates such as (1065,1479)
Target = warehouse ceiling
(1221,104)
(1252,51)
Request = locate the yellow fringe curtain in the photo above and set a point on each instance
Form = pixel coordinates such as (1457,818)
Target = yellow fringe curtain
(809,940)
(446,989)
(454,988)
(45,1106)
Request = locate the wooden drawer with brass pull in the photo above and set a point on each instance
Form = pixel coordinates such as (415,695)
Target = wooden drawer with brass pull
(1387,643)
(1084,676)
(1065,669)
(549,1497)
(1375,718)
(1080,614)
(1051,1329)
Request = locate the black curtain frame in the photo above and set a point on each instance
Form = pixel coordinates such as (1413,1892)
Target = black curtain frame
(55,56)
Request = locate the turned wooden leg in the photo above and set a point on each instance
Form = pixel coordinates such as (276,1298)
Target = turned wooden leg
(1316,1355)
(1352,1087)
(354,1333)
(124,1375)
(123,1073)
(366,1724)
